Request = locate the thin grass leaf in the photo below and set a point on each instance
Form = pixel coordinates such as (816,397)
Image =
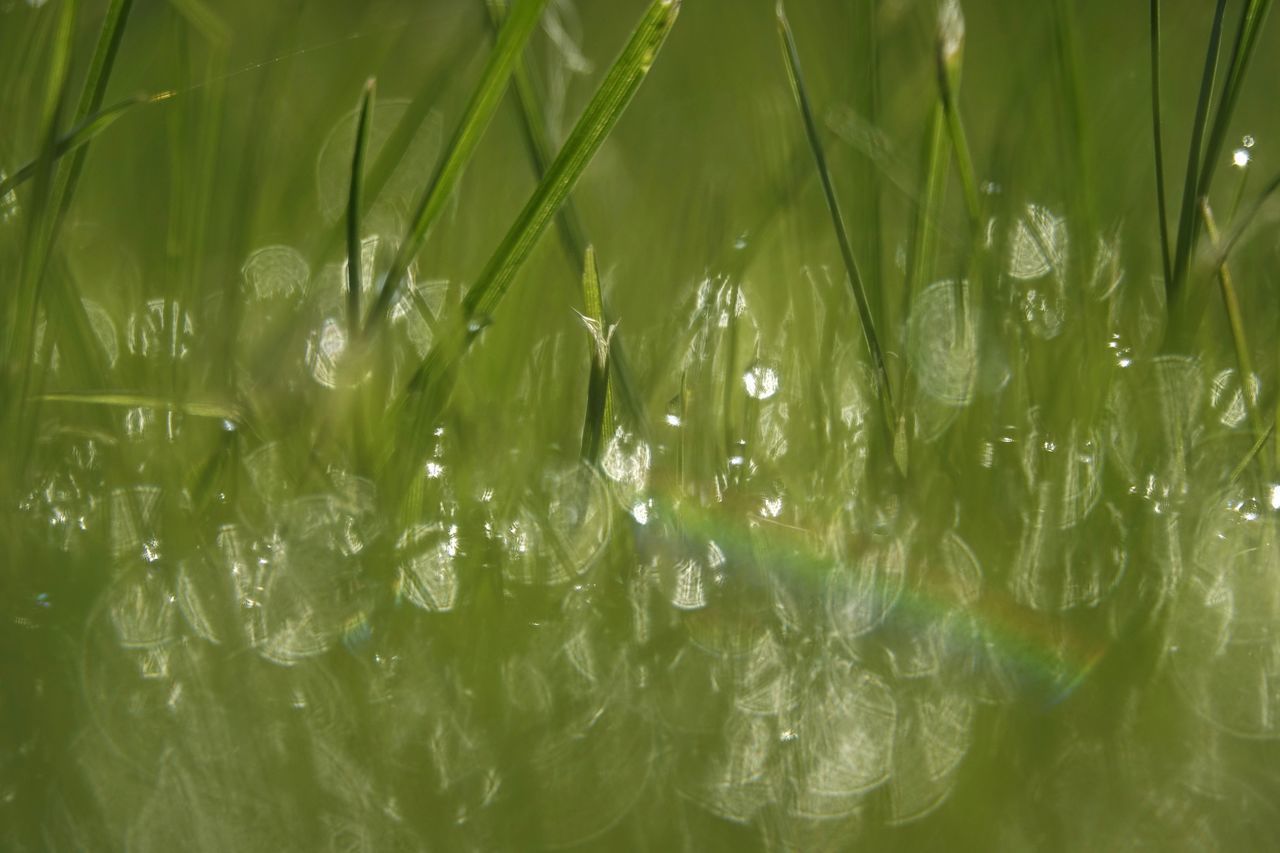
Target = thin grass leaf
(21,326)
(126,400)
(1162,208)
(1191,183)
(1231,302)
(94,92)
(75,140)
(792,59)
(1242,51)
(475,120)
(1241,226)
(432,383)
(354,201)
(1255,449)
(573,235)
(950,61)
(600,394)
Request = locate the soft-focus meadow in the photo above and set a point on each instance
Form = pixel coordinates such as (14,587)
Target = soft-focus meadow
(840,444)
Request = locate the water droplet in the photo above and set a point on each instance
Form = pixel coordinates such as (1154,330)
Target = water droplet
(761,380)
(1240,158)
(276,272)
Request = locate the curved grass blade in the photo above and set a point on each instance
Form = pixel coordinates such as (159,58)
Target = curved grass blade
(1162,208)
(74,142)
(354,199)
(792,58)
(433,381)
(484,101)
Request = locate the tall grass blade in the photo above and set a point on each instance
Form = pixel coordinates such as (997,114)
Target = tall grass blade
(1231,302)
(1191,184)
(95,91)
(355,198)
(595,124)
(475,120)
(950,59)
(1157,133)
(798,90)
(1246,41)
(573,235)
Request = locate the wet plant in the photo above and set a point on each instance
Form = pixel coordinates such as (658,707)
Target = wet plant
(882,452)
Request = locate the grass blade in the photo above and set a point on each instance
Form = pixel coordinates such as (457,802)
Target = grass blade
(354,199)
(573,235)
(596,122)
(1158,142)
(950,58)
(792,58)
(433,380)
(475,120)
(95,91)
(1241,54)
(1231,302)
(75,140)
(124,399)
(600,394)
(1187,219)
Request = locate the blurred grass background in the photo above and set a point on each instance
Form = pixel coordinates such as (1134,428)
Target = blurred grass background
(1054,712)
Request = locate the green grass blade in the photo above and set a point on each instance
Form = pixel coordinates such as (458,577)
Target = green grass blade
(1235,319)
(1187,218)
(792,59)
(600,394)
(594,125)
(354,199)
(74,141)
(573,235)
(95,91)
(950,59)
(126,400)
(1241,53)
(475,120)
(432,383)
(1157,133)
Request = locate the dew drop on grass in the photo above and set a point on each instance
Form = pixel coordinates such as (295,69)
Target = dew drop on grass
(761,380)
(8,203)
